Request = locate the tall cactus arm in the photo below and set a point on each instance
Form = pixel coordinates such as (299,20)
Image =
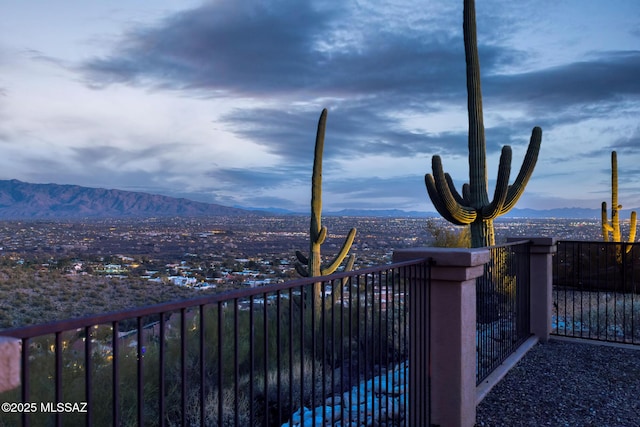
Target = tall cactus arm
(301,270)
(303,259)
(502,185)
(460,199)
(632,230)
(321,236)
(333,266)
(350,262)
(477,142)
(443,199)
(337,291)
(318,233)
(439,203)
(615,206)
(526,170)
(466,193)
(437,200)
(606,227)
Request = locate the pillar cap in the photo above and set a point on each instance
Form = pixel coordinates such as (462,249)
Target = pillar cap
(449,257)
(539,245)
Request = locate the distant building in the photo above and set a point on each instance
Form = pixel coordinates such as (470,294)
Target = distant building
(183,281)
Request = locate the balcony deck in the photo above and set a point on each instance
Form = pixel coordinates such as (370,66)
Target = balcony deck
(568,382)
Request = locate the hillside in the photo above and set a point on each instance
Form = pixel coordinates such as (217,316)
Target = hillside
(21,200)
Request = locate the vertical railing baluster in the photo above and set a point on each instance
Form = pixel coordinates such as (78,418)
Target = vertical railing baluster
(220,341)
(576,279)
(332,347)
(161,376)
(323,336)
(303,344)
(624,292)
(236,363)
(115,374)
(58,376)
(140,373)
(265,346)
(349,366)
(183,366)
(390,329)
(314,353)
(359,340)
(341,349)
(292,407)
(428,304)
(632,289)
(88,375)
(424,293)
(25,378)
(601,254)
(278,355)
(251,362)
(379,338)
(365,373)
(406,340)
(202,339)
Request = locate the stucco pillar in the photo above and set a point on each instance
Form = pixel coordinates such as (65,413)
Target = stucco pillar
(542,250)
(9,363)
(452,328)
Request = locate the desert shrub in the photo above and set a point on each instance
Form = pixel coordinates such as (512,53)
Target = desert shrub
(447,236)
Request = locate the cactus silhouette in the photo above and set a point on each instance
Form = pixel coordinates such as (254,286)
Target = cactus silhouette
(611,230)
(311,266)
(473,207)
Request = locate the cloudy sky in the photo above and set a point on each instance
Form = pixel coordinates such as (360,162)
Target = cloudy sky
(218,101)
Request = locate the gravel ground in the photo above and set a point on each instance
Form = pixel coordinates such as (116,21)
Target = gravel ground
(564,383)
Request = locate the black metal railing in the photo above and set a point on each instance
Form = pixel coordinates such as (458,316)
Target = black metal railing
(262,356)
(596,293)
(502,306)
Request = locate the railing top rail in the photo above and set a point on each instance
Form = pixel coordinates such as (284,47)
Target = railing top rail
(516,243)
(109,317)
(597,242)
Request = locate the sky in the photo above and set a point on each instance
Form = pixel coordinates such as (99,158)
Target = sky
(218,101)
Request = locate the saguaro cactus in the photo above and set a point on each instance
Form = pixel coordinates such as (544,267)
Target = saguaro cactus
(311,266)
(611,230)
(473,206)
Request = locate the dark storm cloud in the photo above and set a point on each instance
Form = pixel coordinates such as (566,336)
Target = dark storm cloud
(604,78)
(352,129)
(229,45)
(289,133)
(246,47)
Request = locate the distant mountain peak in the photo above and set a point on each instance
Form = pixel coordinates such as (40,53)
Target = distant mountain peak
(22,200)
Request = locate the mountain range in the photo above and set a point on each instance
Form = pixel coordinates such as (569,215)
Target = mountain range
(22,200)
